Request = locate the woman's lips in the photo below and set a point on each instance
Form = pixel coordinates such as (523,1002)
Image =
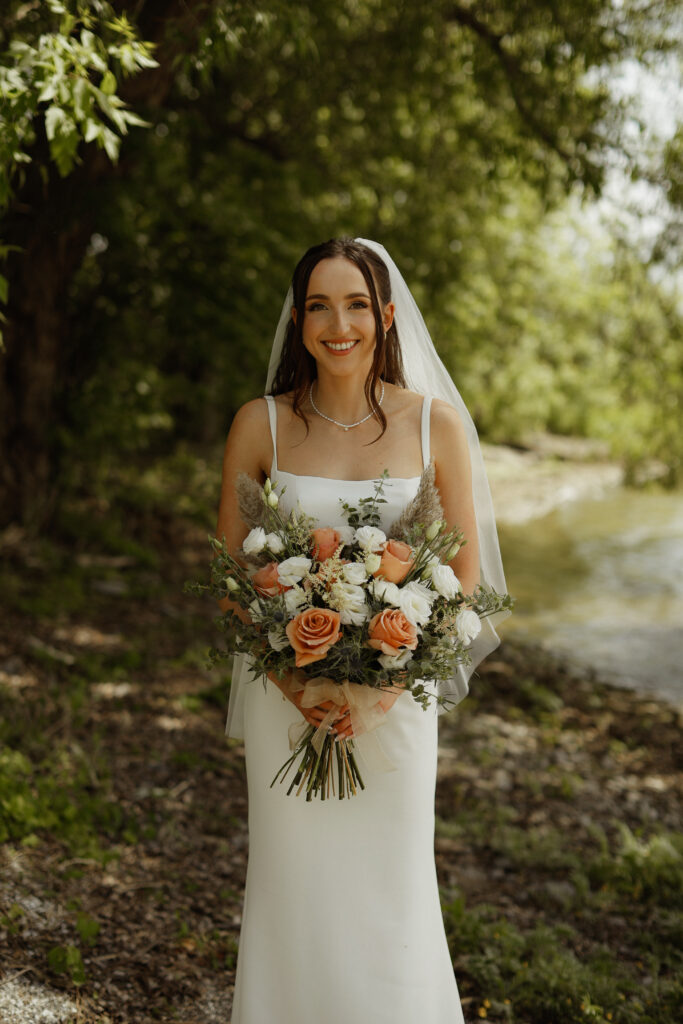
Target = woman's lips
(341,347)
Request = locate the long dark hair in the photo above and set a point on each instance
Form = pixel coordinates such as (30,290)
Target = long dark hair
(297,370)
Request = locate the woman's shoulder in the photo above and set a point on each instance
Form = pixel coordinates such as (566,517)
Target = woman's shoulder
(251,414)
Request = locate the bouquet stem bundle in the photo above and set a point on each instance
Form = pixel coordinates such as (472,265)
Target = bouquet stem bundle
(315,771)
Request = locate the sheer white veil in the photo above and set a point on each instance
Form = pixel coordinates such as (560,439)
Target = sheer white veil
(426,374)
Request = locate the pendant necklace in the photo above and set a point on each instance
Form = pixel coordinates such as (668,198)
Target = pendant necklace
(346,426)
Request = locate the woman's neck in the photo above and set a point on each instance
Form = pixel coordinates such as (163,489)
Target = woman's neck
(342,398)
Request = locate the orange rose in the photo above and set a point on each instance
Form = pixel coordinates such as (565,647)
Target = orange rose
(266,580)
(397,560)
(391,633)
(326,540)
(312,633)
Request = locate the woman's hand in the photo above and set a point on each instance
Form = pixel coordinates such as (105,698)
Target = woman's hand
(343,727)
(314,715)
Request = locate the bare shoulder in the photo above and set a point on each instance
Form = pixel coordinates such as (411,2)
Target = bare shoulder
(252,415)
(446,422)
(448,436)
(403,399)
(248,447)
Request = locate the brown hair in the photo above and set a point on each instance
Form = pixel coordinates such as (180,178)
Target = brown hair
(297,370)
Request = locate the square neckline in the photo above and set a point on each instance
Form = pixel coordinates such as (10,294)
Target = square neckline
(425,439)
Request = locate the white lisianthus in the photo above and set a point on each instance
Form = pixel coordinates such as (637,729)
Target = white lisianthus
(369,538)
(430,564)
(292,570)
(255,541)
(415,601)
(349,601)
(346,534)
(372,562)
(445,582)
(467,625)
(395,661)
(274,543)
(433,531)
(294,598)
(277,638)
(354,572)
(272,500)
(387,592)
(231,583)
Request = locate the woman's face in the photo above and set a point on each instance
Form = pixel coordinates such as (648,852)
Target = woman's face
(339,325)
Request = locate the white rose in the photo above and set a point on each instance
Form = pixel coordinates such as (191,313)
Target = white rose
(369,538)
(354,572)
(372,563)
(395,661)
(294,598)
(346,534)
(445,582)
(277,638)
(292,570)
(274,543)
(255,541)
(415,601)
(387,592)
(467,625)
(349,601)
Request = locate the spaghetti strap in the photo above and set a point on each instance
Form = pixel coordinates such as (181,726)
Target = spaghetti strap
(272,418)
(426,447)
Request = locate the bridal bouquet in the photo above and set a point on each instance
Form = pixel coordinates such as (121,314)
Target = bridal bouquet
(339,615)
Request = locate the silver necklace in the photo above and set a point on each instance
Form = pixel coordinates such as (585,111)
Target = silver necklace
(346,426)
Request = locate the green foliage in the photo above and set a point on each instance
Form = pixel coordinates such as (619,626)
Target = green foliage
(645,869)
(54,794)
(536,976)
(65,80)
(67,960)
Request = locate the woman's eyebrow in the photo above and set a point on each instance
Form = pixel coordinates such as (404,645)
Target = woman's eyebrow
(352,295)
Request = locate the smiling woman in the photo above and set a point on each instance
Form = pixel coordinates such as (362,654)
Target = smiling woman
(342,920)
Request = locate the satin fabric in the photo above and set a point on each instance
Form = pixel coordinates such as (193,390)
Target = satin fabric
(342,921)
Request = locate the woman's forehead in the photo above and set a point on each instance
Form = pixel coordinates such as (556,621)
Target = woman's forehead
(336,274)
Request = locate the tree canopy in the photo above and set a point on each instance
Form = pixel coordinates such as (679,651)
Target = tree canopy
(163,165)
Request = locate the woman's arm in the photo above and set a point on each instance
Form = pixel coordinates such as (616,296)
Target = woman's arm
(454,480)
(249,450)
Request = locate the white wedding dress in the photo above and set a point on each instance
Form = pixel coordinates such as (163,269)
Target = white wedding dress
(342,922)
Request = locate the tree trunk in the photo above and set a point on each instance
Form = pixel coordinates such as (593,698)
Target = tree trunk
(51,219)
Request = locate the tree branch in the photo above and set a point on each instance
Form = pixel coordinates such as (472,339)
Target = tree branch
(467,18)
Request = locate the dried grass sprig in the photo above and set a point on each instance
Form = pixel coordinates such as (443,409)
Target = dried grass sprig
(250,498)
(425,507)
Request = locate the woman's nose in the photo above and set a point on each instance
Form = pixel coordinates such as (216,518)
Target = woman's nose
(339,321)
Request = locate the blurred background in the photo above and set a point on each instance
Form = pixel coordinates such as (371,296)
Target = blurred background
(521,162)
(163,165)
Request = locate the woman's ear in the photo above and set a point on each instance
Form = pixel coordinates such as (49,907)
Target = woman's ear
(388,315)
(294,314)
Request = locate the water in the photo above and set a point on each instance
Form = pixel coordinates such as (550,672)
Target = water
(602,581)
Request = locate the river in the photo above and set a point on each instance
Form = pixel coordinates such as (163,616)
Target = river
(599,577)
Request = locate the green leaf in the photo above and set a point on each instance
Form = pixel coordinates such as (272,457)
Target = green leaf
(54,117)
(4,289)
(47,92)
(108,83)
(111,143)
(93,130)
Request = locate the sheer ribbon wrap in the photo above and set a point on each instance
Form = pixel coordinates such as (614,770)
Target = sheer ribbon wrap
(365,709)
(426,374)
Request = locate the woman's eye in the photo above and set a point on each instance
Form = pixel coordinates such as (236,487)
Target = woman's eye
(314,307)
(359,304)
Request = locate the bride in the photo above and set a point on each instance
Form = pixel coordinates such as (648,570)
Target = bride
(342,921)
